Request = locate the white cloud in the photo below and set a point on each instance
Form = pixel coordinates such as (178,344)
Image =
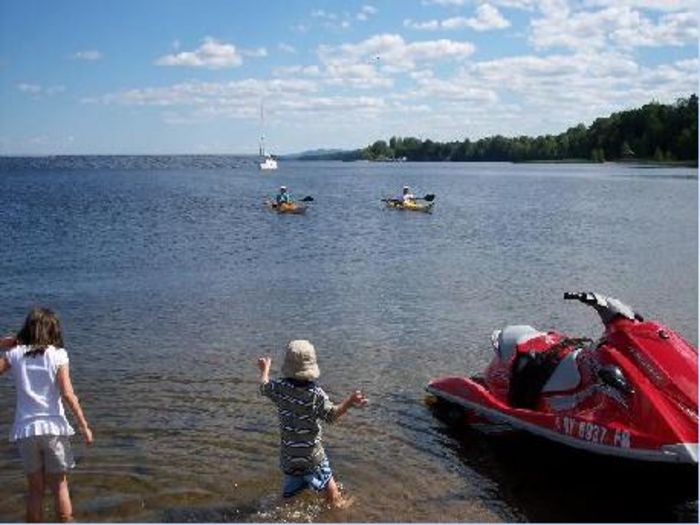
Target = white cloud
(212,54)
(235,93)
(389,82)
(342,20)
(462,89)
(192,102)
(287,48)
(337,21)
(552,93)
(616,25)
(443,3)
(37,144)
(32,89)
(39,140)
(37,90)
(366,12)
(411,108)
(361,76)
(517,4)
(330,105)
(320,13)
(354,75)
(561,71)
(456,22)
(430,25)
(656,5)
(680,74)
(579,86)
(392,53)
(288,71)
(486,18)
(89,55)
(53,90)
(674,29)
(259,52)
(554,8)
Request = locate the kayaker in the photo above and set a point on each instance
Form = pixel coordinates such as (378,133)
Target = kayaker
(406,195)
(283,197)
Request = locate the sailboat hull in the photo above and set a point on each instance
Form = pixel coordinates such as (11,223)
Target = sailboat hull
(268,164)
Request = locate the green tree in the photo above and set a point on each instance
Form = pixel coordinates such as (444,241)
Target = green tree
(659,131)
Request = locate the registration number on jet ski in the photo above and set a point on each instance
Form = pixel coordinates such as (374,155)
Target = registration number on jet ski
(592,432)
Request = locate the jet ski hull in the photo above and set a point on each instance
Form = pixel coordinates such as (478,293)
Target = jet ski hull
(570,430)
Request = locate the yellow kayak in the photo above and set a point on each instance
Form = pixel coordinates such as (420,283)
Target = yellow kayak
(410,205)
(286,207)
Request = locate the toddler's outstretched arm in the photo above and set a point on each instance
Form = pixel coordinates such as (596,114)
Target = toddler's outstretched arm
(356,399)
(264,364)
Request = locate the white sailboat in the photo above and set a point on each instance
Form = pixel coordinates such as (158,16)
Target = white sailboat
(267,162)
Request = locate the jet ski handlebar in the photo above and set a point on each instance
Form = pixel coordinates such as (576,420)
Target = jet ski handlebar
(607,307)
(584,297)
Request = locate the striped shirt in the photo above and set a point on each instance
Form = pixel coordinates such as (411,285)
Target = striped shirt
(301,406)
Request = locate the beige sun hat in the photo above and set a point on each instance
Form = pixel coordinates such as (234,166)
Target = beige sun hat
(300,361)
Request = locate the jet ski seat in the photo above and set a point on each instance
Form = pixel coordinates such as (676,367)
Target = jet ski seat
(565,376)
(504,341)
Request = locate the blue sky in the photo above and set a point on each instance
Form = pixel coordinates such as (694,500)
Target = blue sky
(176,76)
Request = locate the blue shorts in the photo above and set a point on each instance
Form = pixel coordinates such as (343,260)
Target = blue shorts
(316,479)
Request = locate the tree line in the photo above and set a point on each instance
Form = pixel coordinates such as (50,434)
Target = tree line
(660,132)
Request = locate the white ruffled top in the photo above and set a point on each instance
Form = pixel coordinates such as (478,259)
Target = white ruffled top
(39,410)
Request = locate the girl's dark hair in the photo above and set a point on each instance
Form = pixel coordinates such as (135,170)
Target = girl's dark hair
(41,329)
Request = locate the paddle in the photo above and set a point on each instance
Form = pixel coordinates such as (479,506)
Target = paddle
(430,197)
(273,203)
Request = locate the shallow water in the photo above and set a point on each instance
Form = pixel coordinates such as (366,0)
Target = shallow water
(171,278)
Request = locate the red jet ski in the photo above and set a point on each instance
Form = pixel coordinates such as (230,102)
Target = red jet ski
(633,393)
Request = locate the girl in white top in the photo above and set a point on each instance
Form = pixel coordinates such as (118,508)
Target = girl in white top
(39,365)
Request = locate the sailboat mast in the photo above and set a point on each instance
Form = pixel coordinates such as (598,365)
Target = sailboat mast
(267,162)
(262,131)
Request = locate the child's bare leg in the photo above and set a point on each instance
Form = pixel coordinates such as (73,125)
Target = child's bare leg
(35,499)
(334,498)
(59,487)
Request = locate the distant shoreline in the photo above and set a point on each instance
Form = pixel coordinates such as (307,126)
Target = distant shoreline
(651,163)
(637,162)
(641,162)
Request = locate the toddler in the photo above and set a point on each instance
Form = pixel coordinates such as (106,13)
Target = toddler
(302,405)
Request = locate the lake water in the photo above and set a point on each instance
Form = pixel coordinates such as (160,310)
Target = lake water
(171,278)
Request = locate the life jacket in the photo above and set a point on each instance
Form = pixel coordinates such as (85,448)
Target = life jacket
(283,198)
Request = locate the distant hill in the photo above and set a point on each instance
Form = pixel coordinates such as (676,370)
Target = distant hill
(325,154)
